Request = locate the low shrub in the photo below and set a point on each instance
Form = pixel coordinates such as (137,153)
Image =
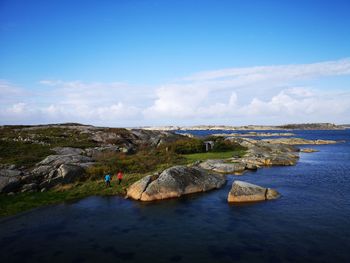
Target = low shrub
(22,153)
(187,146)
(143,161)
(222,145)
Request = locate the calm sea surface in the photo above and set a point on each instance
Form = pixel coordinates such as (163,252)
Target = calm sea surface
(310,223)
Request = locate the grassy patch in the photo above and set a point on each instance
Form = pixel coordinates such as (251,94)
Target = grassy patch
(27,147)
(60,137)
(53,136)
(22,153)
(144,161)
(212,155)
(10,205)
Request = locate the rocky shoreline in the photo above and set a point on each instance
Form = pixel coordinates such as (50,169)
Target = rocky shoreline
(68,164)
(179,180)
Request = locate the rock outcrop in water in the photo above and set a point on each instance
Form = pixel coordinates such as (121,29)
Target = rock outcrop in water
(298,141)
(273,152)
(246,192)
(259,153)
(175,182)
(308,150)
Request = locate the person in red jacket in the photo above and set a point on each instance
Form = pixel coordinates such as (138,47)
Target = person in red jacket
(120,177)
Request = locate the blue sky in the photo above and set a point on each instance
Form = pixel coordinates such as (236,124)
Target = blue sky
(130,63)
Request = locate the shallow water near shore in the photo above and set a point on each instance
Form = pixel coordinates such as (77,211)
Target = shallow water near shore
(309,223)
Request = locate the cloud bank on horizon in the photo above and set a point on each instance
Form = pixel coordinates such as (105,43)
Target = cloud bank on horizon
(237,96)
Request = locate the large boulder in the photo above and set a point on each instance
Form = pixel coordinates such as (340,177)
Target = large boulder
(65,174)
(10,172)
(9,184)
(136,189)
(57,160)
(70,173)
(58,169)
(9,180)
(246,192)
(175,182)
(49,167)
(308,150)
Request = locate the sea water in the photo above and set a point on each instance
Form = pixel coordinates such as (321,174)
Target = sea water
(309,223)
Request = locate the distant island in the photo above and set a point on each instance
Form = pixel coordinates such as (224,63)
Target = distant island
(303,126)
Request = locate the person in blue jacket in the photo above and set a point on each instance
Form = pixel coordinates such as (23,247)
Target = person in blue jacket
(108,180)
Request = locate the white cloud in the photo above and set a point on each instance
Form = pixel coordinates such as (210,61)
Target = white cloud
(255,93)
(176,101)
(97,103)
(253,74)
(18,108)
(10,92)
(262,95)
(50,82)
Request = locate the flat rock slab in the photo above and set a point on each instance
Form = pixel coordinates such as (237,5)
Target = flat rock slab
(247,192)
(57,160)
(175,182)
(220,166)
(68,150)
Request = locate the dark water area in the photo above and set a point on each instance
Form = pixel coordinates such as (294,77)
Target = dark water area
(309,223)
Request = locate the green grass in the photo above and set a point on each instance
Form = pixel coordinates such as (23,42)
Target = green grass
(144,161)
(26,154)
(10,205)
(21,153)
(60,137)
(212,155)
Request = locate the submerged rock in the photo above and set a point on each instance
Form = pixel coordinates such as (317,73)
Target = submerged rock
(308,150)
(246,192)
(175,182)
